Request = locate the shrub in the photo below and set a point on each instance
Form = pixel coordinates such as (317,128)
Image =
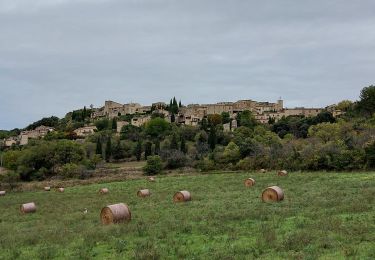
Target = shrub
(154,165)
(71,170)
(206,165)
(173,158)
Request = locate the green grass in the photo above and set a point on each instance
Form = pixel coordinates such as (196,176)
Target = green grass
(324,215)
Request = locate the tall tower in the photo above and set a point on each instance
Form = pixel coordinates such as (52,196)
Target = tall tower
(280,104)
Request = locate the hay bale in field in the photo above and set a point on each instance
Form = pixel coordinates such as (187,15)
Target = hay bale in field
(151,179)
(282,173)
(143,193)
(60,189)
(28,208)
(273,193)
(182,196)
(249,182)
(2,192)
(47,188)
(262,170)
(103,191)
(116,213)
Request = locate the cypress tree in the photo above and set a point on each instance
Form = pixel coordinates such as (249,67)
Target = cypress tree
(204,124)
(114,124)
(183,145)
(179,104)
(99,148)
(148,149)
(108,149)
(173,118)
(170,106)
(212,138)
(175,106)
(174,144)
(138,151)
(157,147)
(84,113)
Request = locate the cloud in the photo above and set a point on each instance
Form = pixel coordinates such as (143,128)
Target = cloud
(60,55)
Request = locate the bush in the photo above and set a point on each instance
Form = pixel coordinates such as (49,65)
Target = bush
(71,170)
(10,178)
(154,165)
(206,165)
(173,158)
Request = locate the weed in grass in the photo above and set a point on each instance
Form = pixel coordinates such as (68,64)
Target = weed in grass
(46,252)
(296,241)
(146,250)
(120,245)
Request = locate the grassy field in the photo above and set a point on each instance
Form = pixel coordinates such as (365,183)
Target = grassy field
(323,215)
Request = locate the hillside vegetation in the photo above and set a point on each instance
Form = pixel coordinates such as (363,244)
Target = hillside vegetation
(323,142)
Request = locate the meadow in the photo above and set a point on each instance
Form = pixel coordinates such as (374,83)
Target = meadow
(324,215)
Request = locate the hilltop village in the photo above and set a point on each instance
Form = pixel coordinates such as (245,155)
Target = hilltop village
(194,113)
(191,115)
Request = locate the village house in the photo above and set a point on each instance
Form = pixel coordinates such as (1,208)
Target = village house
(13,140)
(24,136)
(141,120)
(120,125)
(37,133)
(85,131)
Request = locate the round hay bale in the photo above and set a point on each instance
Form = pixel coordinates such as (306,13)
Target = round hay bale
(182,196)
(282,173)
(262,170)
(116,213)
(249,182)
(143,193)
(60,189)
(151,179)
(28,208)
(2,192)
(47,188)
(103,191)
(273,193)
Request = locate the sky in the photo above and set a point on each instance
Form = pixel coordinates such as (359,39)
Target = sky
(60,55)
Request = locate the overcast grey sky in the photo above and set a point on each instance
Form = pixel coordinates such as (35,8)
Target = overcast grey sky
(59,55)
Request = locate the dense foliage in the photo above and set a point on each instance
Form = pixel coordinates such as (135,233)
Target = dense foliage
(315,143)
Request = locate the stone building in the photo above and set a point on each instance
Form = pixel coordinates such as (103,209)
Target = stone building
(85,131)
(141,120)
(120,124)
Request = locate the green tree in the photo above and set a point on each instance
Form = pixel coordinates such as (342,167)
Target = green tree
(232,153)
(366,104)
(114,124)
(173,118)
(99,149)
(153,166)
(138,151)
(204,124)
(157,127)
(174,143)
(225,117)
(174,106)
(130,132)
(157,147)
(183,147)
(212,138)
(148,149)
(247,119)
(108,149)
(102,124)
